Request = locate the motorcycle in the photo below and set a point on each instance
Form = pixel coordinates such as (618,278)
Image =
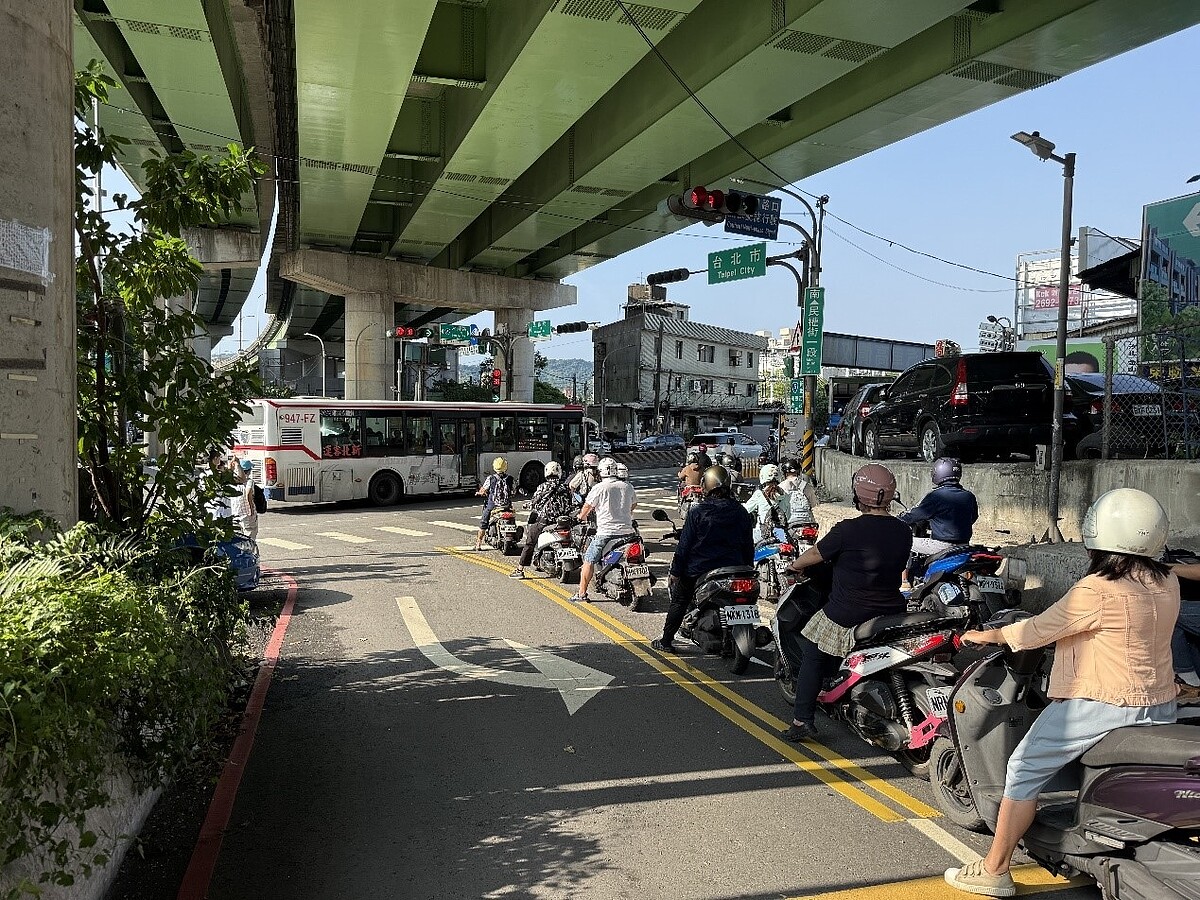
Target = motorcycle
(724,619)
(892,687)
(622,573)
(962,582)
(555,553)
(1132,821)
(772,556)
(502,532)
(689,496)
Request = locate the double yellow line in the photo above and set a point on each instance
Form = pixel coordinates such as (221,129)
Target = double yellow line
(840,774)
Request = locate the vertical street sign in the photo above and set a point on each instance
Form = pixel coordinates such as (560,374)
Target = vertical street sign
(796,396)
(540,329)
(749,261)
(763,224)
(812,318)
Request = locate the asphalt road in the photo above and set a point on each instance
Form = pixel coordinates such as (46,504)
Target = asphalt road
(436,729)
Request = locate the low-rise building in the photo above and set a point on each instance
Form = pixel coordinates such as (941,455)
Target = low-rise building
(658,371)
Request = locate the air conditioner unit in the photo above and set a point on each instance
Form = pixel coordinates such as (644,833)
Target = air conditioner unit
(694,386)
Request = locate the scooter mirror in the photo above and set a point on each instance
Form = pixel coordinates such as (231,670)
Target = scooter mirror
(660,515)
(781,535)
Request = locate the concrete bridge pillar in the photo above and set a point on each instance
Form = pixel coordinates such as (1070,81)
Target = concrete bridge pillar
(207,338)
(516,321)
(37,282)
(370,366)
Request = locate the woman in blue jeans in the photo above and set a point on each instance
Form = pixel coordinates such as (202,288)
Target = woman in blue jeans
(1185,642)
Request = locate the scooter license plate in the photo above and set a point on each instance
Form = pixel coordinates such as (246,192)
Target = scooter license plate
(637,571)
(989,584)
(939,700)
(566,553)
(781,564)
(742,615)
(507,529)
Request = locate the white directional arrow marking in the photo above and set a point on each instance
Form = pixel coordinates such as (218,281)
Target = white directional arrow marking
(575,683)
(1192,221)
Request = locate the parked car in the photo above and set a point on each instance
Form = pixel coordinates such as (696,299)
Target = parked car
(610,443)
(969,406)
(744,446)
(1144,417)
(847,436)
(662,442)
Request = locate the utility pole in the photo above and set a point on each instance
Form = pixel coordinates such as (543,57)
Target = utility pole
(574,387)
(658,348)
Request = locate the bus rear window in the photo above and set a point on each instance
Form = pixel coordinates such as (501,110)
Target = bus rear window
(252,416)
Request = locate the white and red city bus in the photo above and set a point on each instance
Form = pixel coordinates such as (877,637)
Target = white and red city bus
(311,450)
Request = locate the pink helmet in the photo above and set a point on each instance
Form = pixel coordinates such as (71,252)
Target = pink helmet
(874,486)
(591,460)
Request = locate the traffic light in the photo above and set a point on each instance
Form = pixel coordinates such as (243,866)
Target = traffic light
(789,366)
(571,327)
(497,380)
(668,277)
(732,203)
(409,333)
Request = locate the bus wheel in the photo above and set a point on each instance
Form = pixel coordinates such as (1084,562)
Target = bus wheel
(385,490)
(531,477)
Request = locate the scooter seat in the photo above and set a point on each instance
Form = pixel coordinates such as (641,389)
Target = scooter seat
(1145,745)
(872,627)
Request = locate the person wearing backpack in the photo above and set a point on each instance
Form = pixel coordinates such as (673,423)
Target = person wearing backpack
(497,491)
(551,500)
(802,499)
(769,505)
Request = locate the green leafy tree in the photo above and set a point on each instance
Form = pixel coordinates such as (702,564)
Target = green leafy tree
(464,392)
(544,392)
(137,371)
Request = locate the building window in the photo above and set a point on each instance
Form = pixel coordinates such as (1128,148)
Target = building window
(735,358)
(679,349)
(752,390)
(679,382)
(706,353)
(731,389)
(750,359)
(706,385)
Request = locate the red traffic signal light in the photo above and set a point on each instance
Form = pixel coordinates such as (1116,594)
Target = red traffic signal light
(497,378)
(401,331)
(702,198)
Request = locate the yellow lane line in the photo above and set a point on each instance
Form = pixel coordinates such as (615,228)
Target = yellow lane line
(1029,879)
(787,751)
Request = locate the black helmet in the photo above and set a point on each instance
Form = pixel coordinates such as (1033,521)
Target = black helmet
(693,457)
(717,481)
(790,467)
(577,463)
(946,469)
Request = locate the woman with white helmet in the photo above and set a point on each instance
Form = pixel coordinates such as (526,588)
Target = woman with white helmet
(1112,665)
(769,505)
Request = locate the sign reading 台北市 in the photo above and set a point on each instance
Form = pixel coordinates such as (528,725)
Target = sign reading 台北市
(740,262)
(539,329)
(812,318)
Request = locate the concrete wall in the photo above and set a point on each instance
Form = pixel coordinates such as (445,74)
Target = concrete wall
(1012,496)
(37,283)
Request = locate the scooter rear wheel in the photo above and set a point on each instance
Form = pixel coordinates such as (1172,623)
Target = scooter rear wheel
(916,761)
(950,788)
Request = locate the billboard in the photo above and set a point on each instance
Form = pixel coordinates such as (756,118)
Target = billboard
(1171,263)
(1084,355)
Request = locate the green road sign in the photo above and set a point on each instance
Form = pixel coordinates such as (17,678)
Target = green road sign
(812,318)
(540,329)
(451,333)
(749,261)
(1177,222)
(796,397)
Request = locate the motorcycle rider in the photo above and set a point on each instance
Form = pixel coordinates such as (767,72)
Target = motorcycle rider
(1185,643)
(612,500)
(497,488)
(550,501)
(949,509)
(769,505)
(717,533)
(705,461)
(1112,665)
(691,474)
(868,554)
(587,477)
(802,498)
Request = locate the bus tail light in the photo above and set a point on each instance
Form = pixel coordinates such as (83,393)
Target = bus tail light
(270,470)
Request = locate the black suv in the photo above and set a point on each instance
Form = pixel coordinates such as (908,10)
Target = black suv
(967,406)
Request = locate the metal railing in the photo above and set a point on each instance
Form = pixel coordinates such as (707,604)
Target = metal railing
(1150,406)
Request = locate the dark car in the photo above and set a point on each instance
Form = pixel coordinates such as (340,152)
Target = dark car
(969,406)
(847,436)
(1143,417)
(662,442)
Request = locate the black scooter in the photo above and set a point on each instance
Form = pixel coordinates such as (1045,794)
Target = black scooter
(1132,822)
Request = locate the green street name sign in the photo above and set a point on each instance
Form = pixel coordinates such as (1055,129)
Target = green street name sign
(812,319)
(796,397)
(749,261)
(540,329)
(452,333)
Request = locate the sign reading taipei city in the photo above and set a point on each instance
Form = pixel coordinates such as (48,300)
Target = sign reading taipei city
(749,261)
(763,224)
(812,318)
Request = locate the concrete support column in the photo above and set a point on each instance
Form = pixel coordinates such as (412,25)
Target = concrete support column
(517,322)
(370,367)
(37,284)
(204,340)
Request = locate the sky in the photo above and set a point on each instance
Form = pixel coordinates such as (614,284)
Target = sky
(962,191)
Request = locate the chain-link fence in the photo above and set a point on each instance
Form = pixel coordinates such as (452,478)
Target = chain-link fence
(1147,404)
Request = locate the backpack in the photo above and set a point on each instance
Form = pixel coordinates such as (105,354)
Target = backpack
(260,499)
(501,491)
(799,512)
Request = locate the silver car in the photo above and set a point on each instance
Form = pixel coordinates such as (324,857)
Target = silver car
(744,446)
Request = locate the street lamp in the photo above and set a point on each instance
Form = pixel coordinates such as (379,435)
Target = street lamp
(1006,323)
(1044,150)
(1193,179)
(322,343)
(357,368)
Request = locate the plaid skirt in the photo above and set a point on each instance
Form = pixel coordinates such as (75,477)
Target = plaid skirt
(828,635)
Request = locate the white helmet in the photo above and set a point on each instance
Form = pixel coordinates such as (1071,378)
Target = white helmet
(1126,520)
(552,470)
(623,471)
(769,472)
(608,467)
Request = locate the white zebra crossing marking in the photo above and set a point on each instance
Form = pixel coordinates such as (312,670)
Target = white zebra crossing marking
(407,532)
(345,538)
(282,544)
(457,525)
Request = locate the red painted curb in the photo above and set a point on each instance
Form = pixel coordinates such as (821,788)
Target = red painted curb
(208,847)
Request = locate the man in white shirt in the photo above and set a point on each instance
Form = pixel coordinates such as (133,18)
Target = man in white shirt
(613,501)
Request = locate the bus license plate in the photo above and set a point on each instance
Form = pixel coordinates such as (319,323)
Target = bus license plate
(566,553)
(742,615)
(939,699)
(637,571)
(990,584)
